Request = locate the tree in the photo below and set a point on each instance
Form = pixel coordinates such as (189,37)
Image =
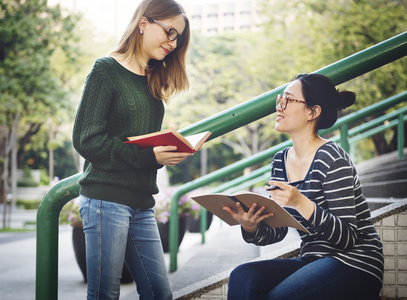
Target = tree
(296,37)
(318,33)
(226,70)
(30,90)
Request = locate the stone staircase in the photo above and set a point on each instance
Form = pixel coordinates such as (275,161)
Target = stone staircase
(384,176)
(384,182)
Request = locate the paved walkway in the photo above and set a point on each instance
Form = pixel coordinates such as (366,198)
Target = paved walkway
(224,249)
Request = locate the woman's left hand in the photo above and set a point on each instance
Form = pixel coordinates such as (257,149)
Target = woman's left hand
(167,156)
(288,195)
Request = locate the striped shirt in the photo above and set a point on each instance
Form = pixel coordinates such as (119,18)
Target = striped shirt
(341,226)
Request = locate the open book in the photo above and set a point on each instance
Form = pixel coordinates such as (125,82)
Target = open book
(170,137)
(215,202)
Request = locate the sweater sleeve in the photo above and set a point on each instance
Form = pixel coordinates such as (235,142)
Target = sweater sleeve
(265,235)
(337,224)
(90,134)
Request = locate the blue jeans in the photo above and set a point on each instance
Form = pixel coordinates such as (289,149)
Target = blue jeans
(302,278)
(115,234)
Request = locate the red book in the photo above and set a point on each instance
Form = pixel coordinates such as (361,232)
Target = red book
(170,137)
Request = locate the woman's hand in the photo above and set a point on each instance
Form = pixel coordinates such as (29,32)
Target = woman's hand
(167,156)
(251,219)
(288,195)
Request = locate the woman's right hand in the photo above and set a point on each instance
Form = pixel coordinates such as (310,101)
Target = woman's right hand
(251,219)
(167,156)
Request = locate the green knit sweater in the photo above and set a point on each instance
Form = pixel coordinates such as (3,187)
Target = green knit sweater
(115,104)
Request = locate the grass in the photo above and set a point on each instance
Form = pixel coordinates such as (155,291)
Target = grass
(16,229)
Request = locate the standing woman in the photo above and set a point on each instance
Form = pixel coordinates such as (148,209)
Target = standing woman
(123,96)
(341,258)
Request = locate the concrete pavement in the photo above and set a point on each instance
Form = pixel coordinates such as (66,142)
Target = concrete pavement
(224,249)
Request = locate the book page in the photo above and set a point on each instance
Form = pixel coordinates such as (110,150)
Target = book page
(214,203)
(195,138)
(281,217)
(144,136)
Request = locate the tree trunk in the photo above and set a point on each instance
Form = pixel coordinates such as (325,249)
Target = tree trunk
(33,130)
(10,138)
(13,144)
(380,143)
(4,177)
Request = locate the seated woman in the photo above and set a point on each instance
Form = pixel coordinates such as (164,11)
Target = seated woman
(341,258)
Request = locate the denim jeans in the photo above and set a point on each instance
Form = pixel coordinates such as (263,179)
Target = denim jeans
(301,278)
(115,234)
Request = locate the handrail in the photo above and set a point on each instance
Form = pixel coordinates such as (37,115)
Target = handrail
(339,72)
(342,123)
(261,106)
(399,119)
(263,173)
(233,118)
(359,132)
(46,285)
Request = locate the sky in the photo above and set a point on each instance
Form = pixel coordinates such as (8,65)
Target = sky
(109,17)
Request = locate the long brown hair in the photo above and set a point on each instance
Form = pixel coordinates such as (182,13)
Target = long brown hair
(167,77)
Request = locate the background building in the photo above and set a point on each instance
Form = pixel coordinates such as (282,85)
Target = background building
(211,17)
(110,17)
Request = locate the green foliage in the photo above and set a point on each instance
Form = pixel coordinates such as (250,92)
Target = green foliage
(29,204)
(27,179)
(44,178)
(70,214)
(186,206)
(15,230)
(219,155)
(30,31)
(63,160)
(39,57)
(297,37)
(41,72)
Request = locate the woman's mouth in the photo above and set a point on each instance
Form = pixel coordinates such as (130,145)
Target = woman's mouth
(165,50)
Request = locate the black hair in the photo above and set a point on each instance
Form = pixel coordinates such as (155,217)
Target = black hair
(319,90)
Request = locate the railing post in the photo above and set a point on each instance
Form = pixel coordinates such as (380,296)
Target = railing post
(203,224)
(174,225)
(344,137)
(400,136)
(46,284)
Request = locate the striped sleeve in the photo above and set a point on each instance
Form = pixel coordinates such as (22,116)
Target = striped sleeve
(265,235)
(337,224)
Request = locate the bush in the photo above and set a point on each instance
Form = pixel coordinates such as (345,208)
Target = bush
(44,178)
(29,204)
(27,180)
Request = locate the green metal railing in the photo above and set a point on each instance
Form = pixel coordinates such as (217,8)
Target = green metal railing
(262,175)
(219,124)
(267,154)
(396,118)
(263,105)
(355,134)
(46,285)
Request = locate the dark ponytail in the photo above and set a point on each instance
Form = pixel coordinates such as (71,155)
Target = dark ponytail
(319,90)
(345,99)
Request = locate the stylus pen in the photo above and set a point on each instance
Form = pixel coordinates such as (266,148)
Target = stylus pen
(294,183)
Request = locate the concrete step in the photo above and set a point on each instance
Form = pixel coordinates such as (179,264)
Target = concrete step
(384,176)
(386,189)
(381,175)
(389,161)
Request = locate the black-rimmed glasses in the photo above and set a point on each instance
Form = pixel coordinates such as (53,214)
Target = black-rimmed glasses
(172,34)
(283,101)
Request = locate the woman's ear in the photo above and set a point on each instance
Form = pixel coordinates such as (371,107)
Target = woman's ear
(314,113)
(142,23)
